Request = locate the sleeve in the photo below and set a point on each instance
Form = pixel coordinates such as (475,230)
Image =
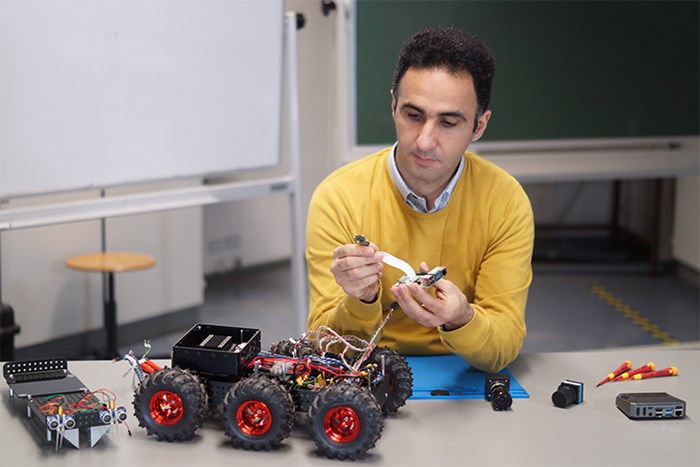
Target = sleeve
(332,222)
(493,338)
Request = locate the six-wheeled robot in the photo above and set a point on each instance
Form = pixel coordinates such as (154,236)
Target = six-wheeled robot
(344,385)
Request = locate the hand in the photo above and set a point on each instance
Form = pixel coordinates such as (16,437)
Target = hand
(358,269)
(449,307)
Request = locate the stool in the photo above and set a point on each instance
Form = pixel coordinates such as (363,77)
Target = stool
(110,262)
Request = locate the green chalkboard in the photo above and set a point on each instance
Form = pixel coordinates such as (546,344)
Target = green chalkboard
(564,69)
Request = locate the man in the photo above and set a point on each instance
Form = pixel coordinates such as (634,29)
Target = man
(431,203)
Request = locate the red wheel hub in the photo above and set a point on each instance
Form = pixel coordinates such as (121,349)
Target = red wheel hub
(254,418)
(341,424)
(166,407)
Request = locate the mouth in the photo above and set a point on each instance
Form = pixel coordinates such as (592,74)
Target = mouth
(424,161)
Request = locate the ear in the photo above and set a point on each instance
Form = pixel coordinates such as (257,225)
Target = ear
(481,126)
(393,103)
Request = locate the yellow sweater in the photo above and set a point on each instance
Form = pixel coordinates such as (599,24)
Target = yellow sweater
(484,237)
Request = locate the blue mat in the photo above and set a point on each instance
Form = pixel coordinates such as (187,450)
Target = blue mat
(452,374)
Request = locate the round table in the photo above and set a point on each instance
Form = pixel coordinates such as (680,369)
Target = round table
(109,263)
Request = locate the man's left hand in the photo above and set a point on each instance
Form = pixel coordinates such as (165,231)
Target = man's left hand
(449,307)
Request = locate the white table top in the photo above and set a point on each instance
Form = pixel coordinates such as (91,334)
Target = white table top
(435,433)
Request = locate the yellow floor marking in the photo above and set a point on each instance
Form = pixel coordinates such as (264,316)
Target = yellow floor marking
(628,312)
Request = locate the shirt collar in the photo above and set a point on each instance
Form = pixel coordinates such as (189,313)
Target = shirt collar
(417,202)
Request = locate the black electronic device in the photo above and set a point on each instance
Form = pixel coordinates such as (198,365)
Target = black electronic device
(650,405)
(569,392)
(497,391)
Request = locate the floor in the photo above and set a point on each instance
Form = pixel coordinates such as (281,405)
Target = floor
(570,307)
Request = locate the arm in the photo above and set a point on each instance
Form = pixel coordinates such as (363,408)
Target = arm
(488,332)
(493,337)
(343,277)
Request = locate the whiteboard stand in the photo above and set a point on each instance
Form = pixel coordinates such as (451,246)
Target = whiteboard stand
(299,279)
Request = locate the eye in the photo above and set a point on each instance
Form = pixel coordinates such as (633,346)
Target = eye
(414,116)
(448,123)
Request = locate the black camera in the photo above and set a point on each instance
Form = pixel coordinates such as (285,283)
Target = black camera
(569,392)
(497,390)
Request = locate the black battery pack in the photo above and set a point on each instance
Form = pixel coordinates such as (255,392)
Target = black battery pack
(650,405)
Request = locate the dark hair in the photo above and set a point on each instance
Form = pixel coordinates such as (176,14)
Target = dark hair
(450,49)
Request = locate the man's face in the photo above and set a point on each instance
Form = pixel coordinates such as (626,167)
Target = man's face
(434,114)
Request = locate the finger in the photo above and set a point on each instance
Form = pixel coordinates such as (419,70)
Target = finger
(404,296)
(444,286)
(344,251)
(424,267)
(362,286)
(347,263)
(412,308)
(421,295)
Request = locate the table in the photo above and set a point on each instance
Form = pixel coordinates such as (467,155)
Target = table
(110,262)
(432,433)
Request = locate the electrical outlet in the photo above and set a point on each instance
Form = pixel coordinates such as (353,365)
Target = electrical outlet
(219,245)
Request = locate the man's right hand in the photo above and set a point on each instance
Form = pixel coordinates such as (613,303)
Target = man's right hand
(357,269)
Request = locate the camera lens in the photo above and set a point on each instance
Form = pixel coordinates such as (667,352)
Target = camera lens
(500,397)
(563,396)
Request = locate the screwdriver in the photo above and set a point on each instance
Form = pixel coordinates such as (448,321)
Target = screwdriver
(670,371)
(642,369)
(626,365)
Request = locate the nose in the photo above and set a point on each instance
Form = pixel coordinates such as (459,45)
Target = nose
(426,140)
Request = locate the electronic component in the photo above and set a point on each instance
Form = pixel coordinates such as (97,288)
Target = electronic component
(427,279)
(569,392)
(361,240)
(650,405)
(497,391)
(58,405)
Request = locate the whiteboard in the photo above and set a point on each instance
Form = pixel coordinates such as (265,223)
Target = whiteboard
(103,93)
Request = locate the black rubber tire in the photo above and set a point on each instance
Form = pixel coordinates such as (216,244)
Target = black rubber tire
(284,347)
(361,435)
(186,405)
(258,393)
(400,379)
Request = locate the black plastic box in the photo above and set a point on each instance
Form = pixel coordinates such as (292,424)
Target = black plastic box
(650,405)
(216,350)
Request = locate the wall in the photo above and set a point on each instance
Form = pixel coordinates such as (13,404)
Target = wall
(52,301)
(258,231)
(686,225)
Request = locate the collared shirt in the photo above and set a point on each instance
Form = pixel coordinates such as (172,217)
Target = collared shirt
(417,202)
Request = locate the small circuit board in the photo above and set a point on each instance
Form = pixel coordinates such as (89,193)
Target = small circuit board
(425,280)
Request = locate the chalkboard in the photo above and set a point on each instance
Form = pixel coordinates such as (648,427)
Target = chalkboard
(103,93)
(564,69)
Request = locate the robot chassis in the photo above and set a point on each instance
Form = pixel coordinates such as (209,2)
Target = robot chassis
(58,405)
(345,385)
